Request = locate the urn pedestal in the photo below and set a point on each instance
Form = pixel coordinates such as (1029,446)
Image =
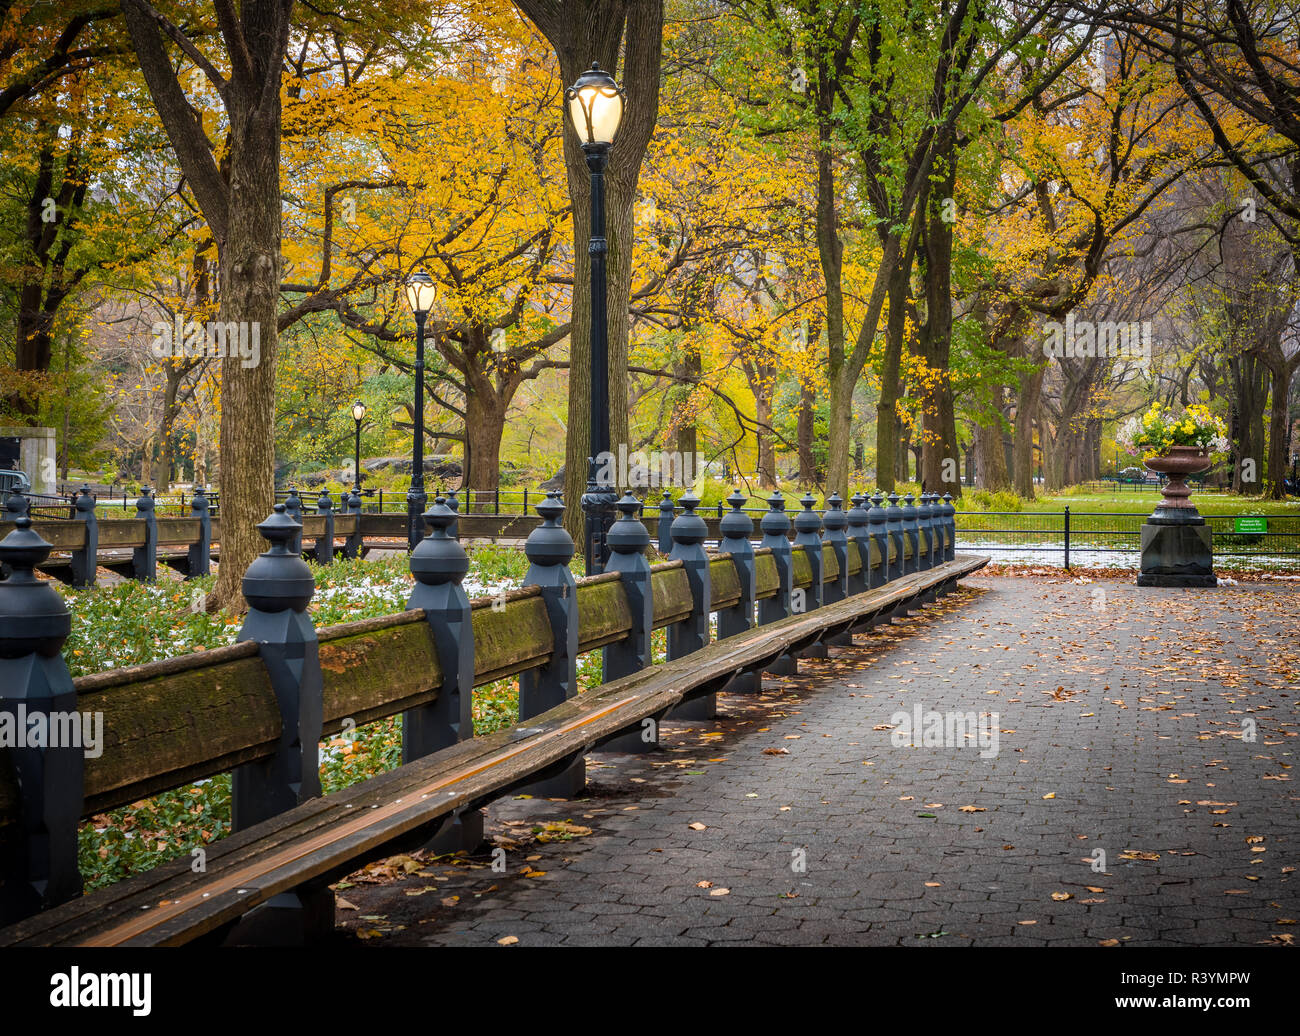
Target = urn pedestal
(1177,545)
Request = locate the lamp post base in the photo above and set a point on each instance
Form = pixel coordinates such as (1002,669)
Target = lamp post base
(416,500)
(598,510)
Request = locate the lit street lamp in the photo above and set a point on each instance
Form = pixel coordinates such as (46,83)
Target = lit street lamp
(595,104)
(358,412)
(420,292)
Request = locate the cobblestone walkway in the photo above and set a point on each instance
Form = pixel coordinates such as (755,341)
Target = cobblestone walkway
(1141,792)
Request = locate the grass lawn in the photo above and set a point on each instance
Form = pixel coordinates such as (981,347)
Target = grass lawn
(1144,502)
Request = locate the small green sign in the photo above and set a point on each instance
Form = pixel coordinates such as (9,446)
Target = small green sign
(1251,523)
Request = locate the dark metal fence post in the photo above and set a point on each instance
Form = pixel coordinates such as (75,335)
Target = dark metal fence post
(628,539)
(925,531)
(877,530)
(439,565)
(834,521)
(950,520)
(939,524)
(38,861)
(666,524)
(836,588)
(85,562)
(894,527)
(927,539)
(352,505)
(453,502)
(911,535)
(858,544)
(737,528)
(278,587)
(1067,537)
(692,633)
(550,549)
(293,508)
(200,553)
(325,541)
(16,506)
(776,537)
(807,534)
(144,560)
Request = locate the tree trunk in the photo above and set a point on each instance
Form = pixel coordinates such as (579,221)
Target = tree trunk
(766,451)
(1022,451)
(165,454)
(485,423)
(250,289)
(990,458)
(1278,437)
(807,463)
(939,453)
(887,440)
(684,417)
(1250,386)
(44,283)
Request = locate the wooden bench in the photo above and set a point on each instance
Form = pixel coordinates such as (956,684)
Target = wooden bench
(233,709)
(326,838)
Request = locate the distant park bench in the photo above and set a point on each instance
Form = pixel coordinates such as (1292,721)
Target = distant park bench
(134,547)
(259,708)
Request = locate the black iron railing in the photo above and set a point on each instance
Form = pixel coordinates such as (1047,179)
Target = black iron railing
(1081,535)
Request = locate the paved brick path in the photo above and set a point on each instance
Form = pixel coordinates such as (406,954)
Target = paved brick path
(1120,729)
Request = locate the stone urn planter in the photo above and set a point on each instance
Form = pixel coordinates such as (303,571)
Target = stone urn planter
(1177,546)
(1176,508)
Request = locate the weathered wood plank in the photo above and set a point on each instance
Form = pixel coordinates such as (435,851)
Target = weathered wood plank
(603,613)
(765,577)
(672,593)
(724,583)
(377,668)
(64,535)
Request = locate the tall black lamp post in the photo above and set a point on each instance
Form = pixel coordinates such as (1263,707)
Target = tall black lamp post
(358,413)
(420,292)
(595,104)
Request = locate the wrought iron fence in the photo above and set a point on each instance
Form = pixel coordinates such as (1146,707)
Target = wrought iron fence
(43,505)
(1112,484)
(1062,538)
(1079,536)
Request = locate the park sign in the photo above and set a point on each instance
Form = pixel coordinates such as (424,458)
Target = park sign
(1250,523)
